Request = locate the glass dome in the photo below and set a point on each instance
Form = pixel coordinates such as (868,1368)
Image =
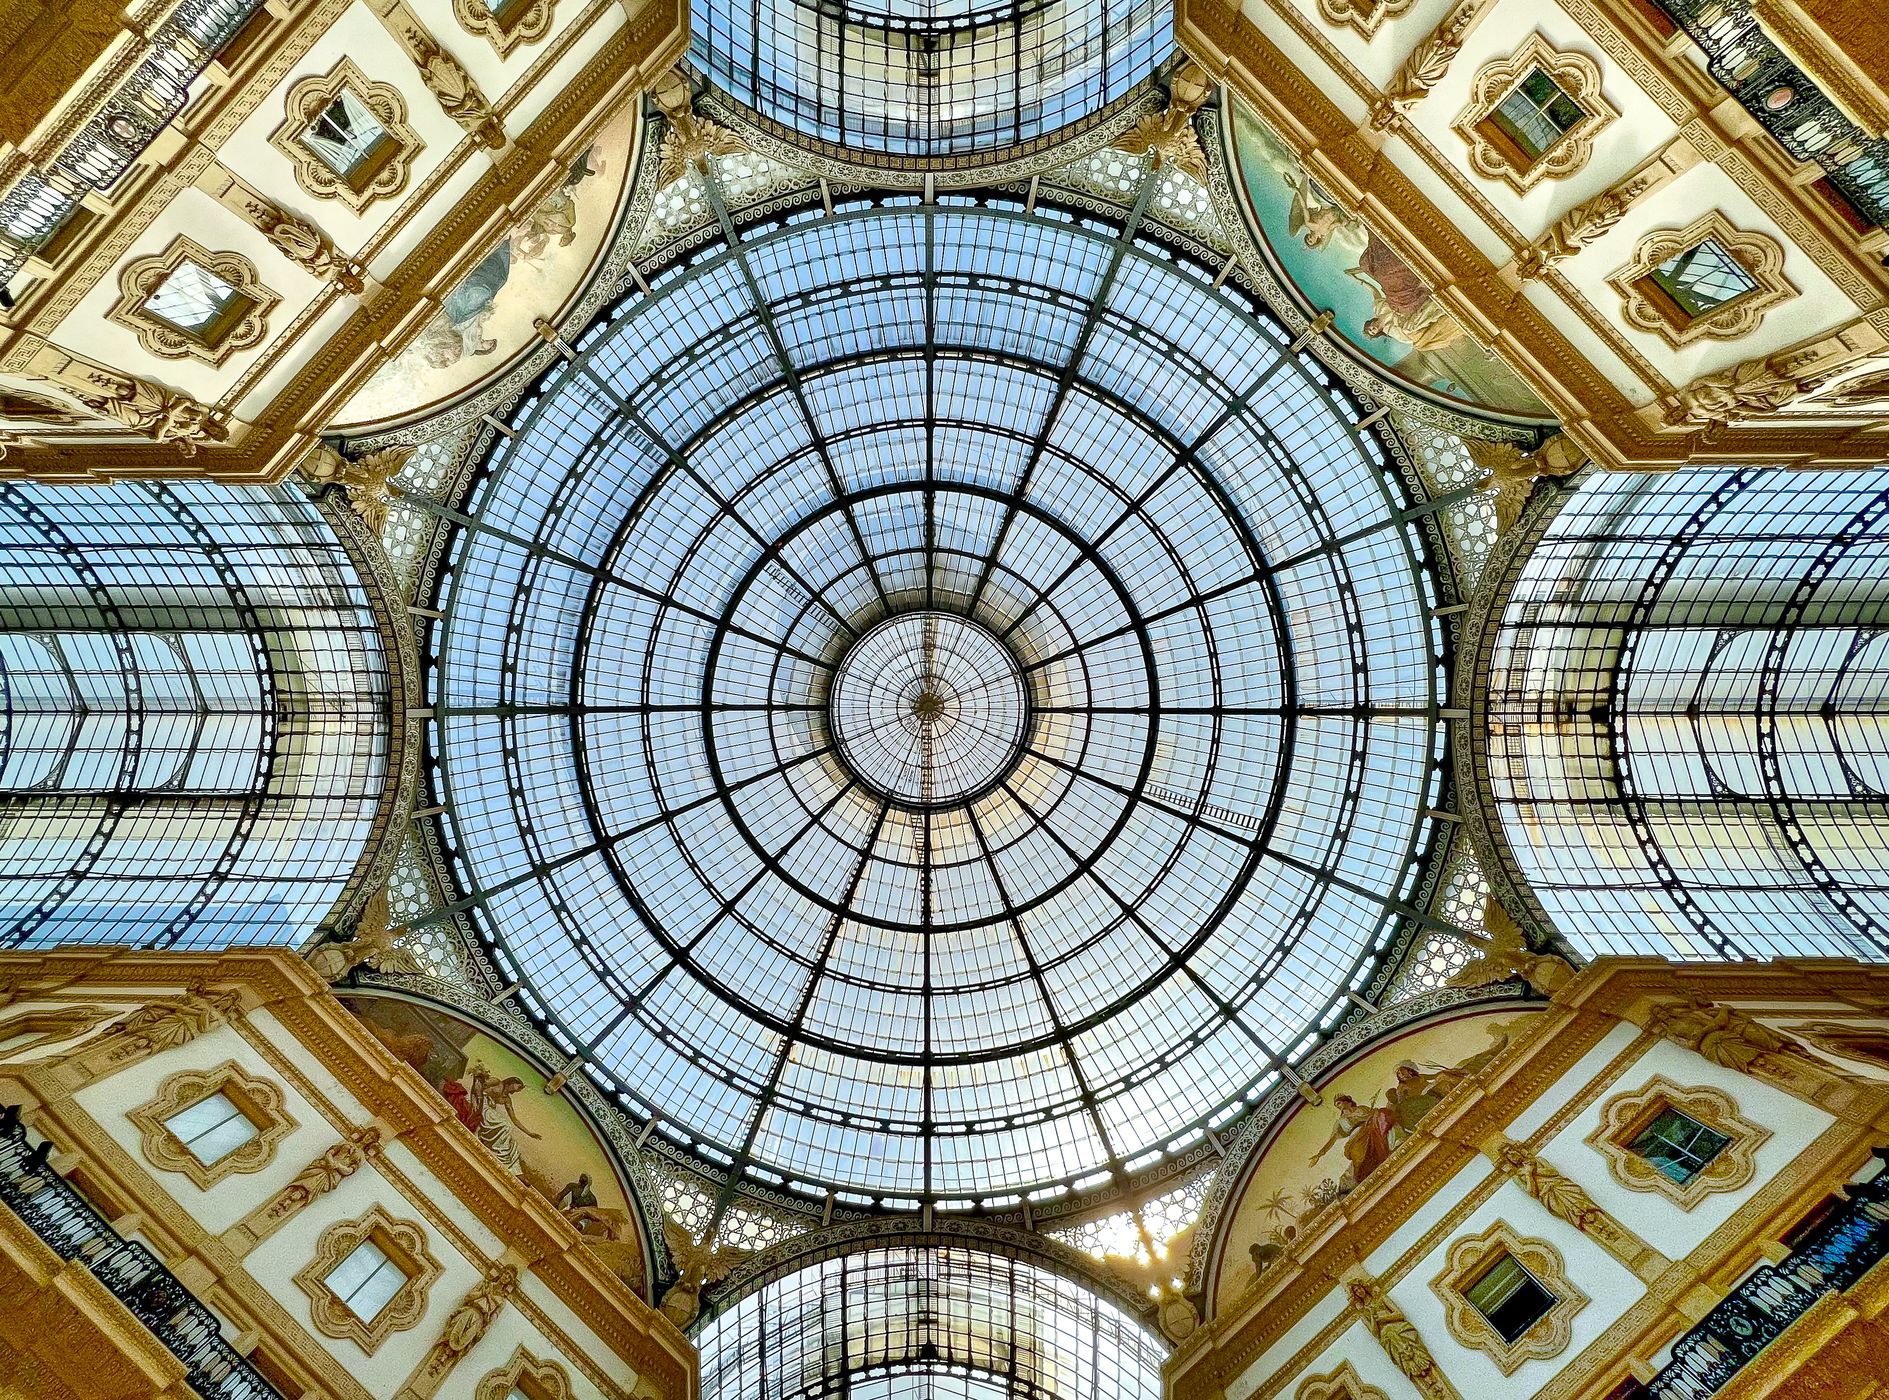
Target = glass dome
(930,78)
(937,702)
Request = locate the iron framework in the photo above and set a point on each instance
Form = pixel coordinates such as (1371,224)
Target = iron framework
(1053,426)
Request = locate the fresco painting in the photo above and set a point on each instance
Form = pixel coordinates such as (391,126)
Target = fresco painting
(540,1138)
(534,271)
(1322,1153)
(1379,304)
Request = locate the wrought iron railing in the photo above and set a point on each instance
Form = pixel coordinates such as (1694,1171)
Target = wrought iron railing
(66,1221)
(1833,1255)
(1787,102)
(152,93)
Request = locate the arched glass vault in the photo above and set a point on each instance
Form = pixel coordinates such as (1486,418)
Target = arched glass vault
(936,702)
(194,706)
(1689,715)
(926,1324)
(929,78)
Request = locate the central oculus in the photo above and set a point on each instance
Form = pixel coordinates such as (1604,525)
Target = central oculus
(928,709)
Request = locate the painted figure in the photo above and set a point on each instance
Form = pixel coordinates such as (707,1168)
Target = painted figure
(490,1100)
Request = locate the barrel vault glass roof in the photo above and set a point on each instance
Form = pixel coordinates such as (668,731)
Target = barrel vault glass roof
(935,702)
(930,78)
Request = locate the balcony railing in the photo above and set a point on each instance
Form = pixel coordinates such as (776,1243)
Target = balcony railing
(1787,102)
(63,1218)
(152,94)
(1834,1255)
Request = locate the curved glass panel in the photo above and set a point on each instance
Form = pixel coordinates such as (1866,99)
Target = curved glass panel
(193,716)
(1689,715)
(955,1324)
(936,702)
(929,77)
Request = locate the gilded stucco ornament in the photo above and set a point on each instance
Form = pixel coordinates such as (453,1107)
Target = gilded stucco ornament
(1426,66)
(334,1165)
(453,88)
(374,943)
(1505,953)
(1567,1200)
(161,1025)
(363,480)
(1749,390)
(1513,472)
(1399,1337)
(1169,135)
(1729,1038)
(303,244)
(690,140)
(697,1266)
(465,1325)
(1585,223)
(144,407)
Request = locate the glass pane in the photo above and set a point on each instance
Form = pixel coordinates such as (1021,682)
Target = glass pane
(1704,278)
(211,1128)
(366,1280)
(191,299)
(1537,114)
(1679,1146)
(346,136)
(1510,1297)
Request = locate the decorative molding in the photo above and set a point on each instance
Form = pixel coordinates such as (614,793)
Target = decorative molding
(402,1241)
(1624,1116)
(1469,1258)
(256,1099)
(1429,62)
(463,1328)
(445,76)
(241,325)
(1494,155)
(312,96)
(1364,16)
(511,23)
(534,1379)
(318,1178)
(1651,309)
(1344,1383)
